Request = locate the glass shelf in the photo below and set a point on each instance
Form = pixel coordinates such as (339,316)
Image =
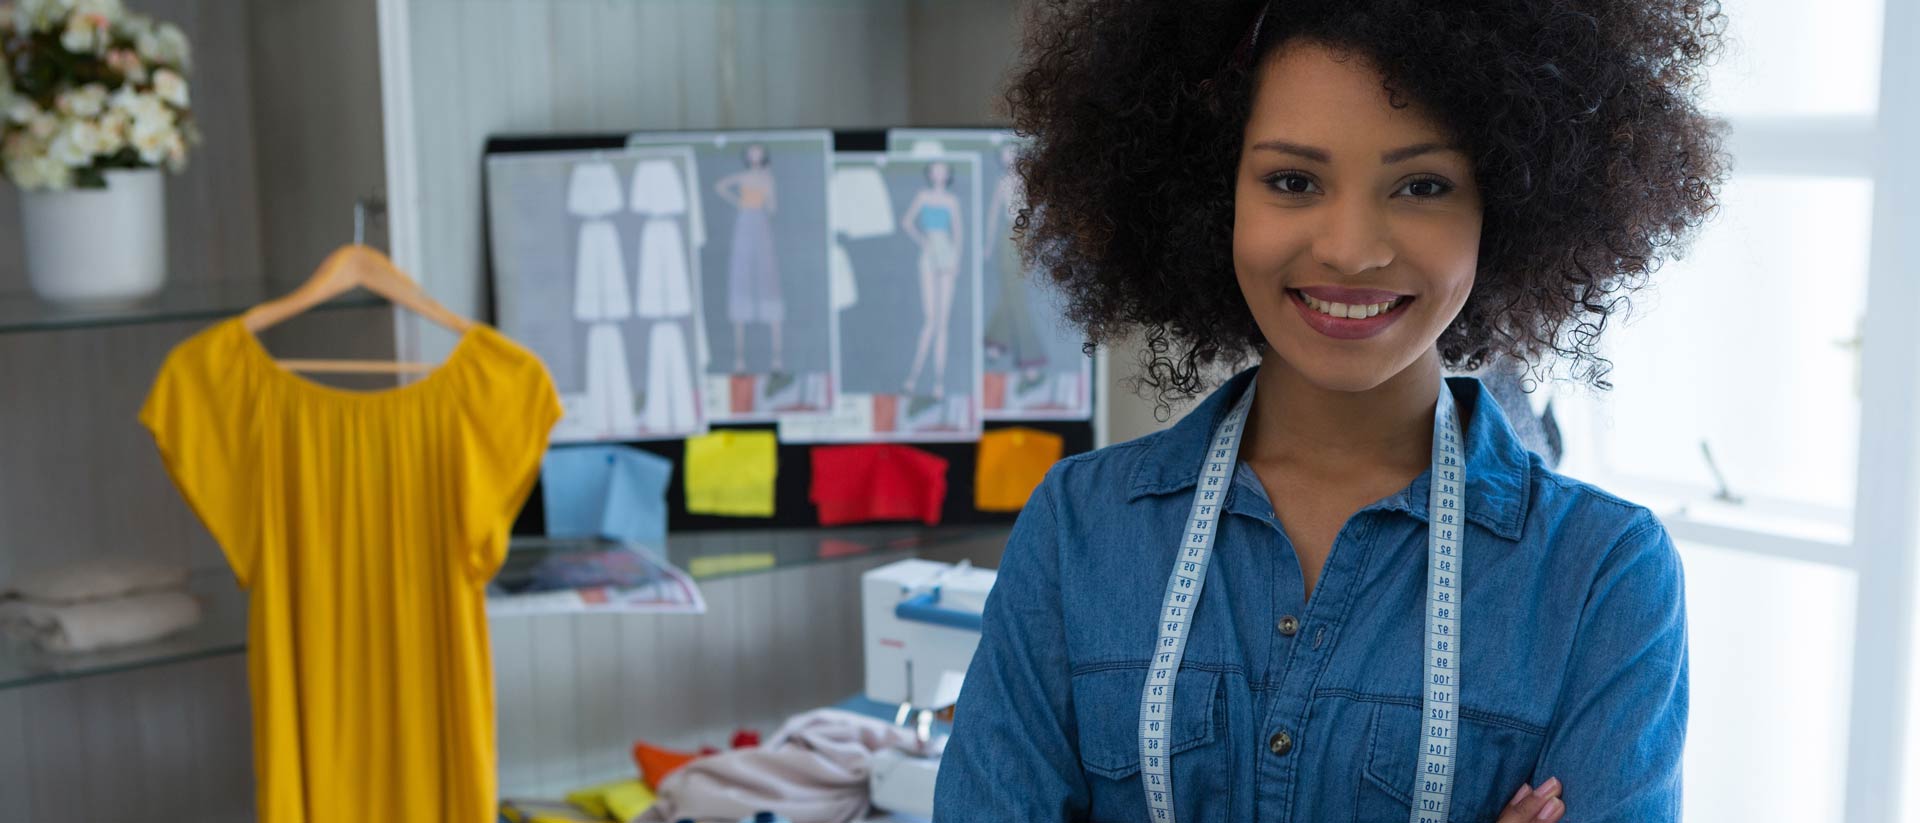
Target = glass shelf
(223,626)
(25,312)
(222,630)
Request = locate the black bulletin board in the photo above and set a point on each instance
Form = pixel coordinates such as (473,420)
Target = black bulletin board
(792,509)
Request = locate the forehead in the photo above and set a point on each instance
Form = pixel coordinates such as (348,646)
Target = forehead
(1323,96)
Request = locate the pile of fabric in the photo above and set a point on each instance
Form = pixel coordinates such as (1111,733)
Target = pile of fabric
(815,769)
(98,604)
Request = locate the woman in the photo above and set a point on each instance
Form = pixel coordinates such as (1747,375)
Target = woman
(1239,180)
(933,221)
(753,273)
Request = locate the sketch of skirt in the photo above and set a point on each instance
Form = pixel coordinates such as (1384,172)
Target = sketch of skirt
(1011,325)
(657,189)
(753,274)
(593,190)
(670,397)
(608,409)
(600,275)
(662,289)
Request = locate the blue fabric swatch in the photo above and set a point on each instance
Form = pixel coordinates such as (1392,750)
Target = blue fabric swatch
(616,492)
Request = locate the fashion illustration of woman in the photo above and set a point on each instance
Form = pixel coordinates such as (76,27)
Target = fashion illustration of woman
(1010,332)
(753,273)
(933,221)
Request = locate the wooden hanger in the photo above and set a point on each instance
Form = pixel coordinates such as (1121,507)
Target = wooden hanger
(351,265)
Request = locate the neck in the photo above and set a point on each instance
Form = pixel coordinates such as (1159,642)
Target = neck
(1343,435)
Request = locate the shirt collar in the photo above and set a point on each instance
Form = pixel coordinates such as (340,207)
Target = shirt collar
(1498,465)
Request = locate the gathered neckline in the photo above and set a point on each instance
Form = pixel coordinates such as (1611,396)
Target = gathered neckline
(303,383)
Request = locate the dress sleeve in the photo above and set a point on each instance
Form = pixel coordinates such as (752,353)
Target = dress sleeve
(1012,755)
(511,408)
(198,415)
(1621,720)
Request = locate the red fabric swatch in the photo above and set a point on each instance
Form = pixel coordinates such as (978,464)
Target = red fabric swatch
(866,483)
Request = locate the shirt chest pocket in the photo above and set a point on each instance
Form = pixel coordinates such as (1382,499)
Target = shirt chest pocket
(1494,758)
(1107,710)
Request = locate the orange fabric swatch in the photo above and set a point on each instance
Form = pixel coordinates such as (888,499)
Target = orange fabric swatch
(1010,463)
(656,763)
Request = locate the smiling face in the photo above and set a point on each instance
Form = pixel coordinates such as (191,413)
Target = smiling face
(1335,202)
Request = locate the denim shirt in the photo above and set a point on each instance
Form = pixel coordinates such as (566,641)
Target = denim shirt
(1573,647)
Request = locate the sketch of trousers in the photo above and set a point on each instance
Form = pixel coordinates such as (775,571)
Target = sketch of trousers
(609,405)
(663,290)
(600,275)
(670,397)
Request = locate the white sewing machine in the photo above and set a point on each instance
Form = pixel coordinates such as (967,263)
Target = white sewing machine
(921,622)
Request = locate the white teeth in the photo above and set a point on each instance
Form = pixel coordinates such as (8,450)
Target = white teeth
(1345,310)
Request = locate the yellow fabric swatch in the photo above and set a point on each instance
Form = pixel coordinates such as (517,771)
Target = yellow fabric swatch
(731,473)
(619,800)
(364,526)
(1010,464)
(714,564)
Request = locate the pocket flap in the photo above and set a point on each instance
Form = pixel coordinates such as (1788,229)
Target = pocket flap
(1107,708)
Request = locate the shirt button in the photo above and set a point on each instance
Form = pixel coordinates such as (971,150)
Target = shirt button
(1289,626)
(1280,743)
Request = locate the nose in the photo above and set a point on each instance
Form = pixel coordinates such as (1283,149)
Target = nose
(1354,236)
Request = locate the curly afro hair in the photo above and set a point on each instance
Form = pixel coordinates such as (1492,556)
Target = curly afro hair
(1588,148)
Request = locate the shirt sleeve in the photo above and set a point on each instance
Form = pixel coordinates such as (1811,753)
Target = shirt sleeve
(512,408)
(197,413)
(1012,755)
(1621,721)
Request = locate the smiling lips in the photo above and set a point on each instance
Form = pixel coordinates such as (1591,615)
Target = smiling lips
(1348,314)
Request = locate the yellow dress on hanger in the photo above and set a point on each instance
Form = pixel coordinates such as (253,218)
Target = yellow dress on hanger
(364,526)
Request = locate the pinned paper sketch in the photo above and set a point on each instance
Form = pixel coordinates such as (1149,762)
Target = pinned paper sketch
(903,228)
(767,308)
(613,327)
(1034,365)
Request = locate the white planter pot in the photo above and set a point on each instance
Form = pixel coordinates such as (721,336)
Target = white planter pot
(98,245)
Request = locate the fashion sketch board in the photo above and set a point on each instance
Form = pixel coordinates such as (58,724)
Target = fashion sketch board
(910,306)
(760,202)
(593,270)
(1035,366)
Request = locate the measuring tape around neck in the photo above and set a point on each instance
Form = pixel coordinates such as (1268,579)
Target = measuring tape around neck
(1440,689)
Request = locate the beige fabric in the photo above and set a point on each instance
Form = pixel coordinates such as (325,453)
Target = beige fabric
(96,579)
(814,770)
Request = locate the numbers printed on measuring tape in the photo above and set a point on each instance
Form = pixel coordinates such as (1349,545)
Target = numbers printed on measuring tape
(1433,784)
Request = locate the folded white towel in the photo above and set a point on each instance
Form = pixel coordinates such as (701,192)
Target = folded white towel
(100,624)
(97,579)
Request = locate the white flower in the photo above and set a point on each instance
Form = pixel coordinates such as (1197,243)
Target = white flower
(22,111)
(116,125)
(41,15)
(140,105)
(173,45)
(74,145)
(151,137)
(44,125)
(112,10)
(168,85)
(87,101)
(84,33)
(39,173)
(127,62)
(176,153)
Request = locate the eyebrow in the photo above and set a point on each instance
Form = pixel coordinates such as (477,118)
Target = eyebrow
(1322,156)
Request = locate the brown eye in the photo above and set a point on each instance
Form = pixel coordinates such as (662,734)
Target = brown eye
(1437,187)
(1283,182)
